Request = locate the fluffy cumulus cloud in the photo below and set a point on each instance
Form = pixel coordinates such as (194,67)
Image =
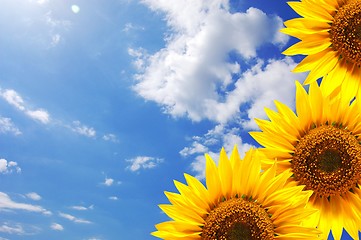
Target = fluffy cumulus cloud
(143,162)
(9,166)
(219,136)
(15,99)
(194,76)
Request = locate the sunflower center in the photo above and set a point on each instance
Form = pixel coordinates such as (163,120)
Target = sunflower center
(236,219)
(328,161)
(345,31)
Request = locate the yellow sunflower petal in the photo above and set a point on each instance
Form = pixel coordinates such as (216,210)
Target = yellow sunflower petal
(225,174)
(303,108)
(212,179)
(314,12)
(311,45)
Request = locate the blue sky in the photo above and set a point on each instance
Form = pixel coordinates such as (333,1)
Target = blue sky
(104,103)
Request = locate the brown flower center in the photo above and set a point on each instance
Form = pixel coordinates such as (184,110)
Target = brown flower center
(345,32)
(328,161)
(236,219)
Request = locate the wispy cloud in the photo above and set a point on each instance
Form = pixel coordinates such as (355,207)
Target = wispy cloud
(12,229)
(114,198)
(143,162)
(56,28)
(7,126)
(82,208)
(7,204)
(84,130)
(15,99)
(130,26)
(73,218)
(219,136)
(18,229)
(56,227)
(9,167)
(110,137)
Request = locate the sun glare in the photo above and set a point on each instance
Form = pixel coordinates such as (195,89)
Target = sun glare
(75,8)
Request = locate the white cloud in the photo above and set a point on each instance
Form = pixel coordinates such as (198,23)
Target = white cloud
(110,137)
(83,130)
(9,167)
(82,208)
(130,26)
(34,196)
(14,99)
(74,219)
(216,138)
(114,198)
(39,115)
(56,227)
(192,75)
(55,39)
(7,126)
(143,162)
(18,229)
(195,148)
(108,181)
(7,204)
(14,229)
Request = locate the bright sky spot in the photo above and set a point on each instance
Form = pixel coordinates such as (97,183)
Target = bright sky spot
(75,8)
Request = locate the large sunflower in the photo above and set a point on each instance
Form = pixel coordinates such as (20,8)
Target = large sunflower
(330,34)
(321,146)
(238,203)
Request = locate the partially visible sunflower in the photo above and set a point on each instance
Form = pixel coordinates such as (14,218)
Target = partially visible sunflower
(330,34)
(238,203)
(321,146)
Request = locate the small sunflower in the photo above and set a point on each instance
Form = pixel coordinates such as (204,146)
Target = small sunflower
(330,34)
(321,146)
(238,203)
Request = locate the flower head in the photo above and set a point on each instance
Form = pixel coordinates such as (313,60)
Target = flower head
(330,36)
(320,145)
(238,203)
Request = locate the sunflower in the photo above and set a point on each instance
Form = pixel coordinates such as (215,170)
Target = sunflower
(238,203)
(321,146)
(330,34)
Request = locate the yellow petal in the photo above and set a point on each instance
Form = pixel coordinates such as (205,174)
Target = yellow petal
(302,105)
(311,45)
(225,174)
(212,180)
